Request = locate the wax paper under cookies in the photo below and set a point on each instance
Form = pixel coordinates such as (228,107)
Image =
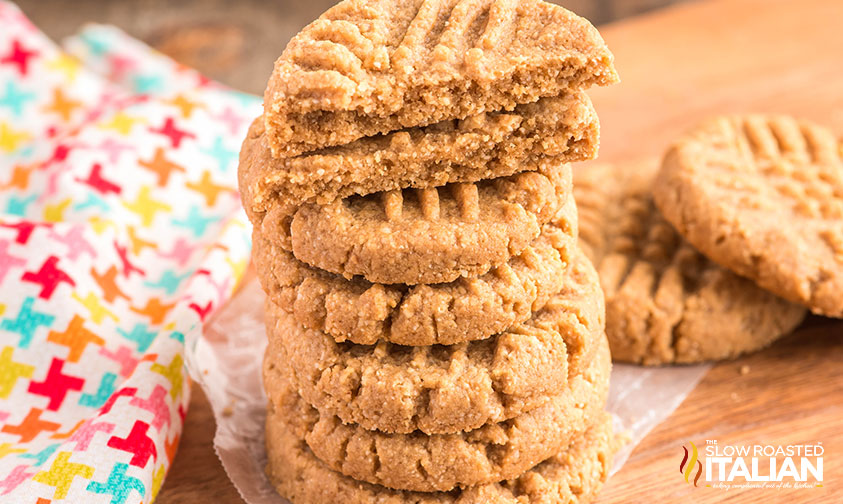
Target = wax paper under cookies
(231,353)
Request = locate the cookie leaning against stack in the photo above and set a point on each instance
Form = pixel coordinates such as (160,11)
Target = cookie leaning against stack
(665,301)
(435,333)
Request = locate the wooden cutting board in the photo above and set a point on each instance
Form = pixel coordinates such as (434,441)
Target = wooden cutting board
(678,66)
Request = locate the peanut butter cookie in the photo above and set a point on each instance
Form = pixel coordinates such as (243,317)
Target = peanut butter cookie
(368,67)
(482,146)
(432,235)
(446,389)
(418,462)
(466,309)
(665,302)
(762,196)
(573,476)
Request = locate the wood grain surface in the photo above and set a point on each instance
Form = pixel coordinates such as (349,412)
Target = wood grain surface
(679,65)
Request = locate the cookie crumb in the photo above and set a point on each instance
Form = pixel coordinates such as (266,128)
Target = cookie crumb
(227,411)
(744,370)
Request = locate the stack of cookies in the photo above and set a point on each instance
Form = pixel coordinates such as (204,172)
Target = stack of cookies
(435,332)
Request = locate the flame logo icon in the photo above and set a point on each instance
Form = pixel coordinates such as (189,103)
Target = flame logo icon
(686,467)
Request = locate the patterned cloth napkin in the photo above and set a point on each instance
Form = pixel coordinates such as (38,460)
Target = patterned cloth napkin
(121,231)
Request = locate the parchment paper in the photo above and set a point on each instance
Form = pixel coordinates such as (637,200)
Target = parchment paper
(226,361)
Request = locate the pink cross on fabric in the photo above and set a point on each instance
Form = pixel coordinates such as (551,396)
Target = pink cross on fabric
(108,209)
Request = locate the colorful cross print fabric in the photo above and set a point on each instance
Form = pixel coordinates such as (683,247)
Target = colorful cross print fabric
(121,231)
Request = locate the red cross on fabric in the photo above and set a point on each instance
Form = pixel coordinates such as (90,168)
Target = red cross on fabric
(48,277)
(128,267)
(202,311)
(169,130)
(141,446)
(19,57)
(24,229)
(127,391)
(56,385)
(98,182)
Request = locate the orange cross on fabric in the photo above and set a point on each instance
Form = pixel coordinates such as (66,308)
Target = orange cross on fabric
(108,283)
(138,243)
(20,177)
(173,373)
(154,310)
(184,105)
(170,447)
(30,426)
(61,474)
(161,166)
(61,105)
(146,207)
(11,371)
(207,188)
(76,338)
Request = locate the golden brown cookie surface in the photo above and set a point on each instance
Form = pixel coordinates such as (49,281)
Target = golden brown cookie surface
(466,309)
(447,389)
(483,146)
(574,475)
(432,235)
(665,302)
(491,453)
(368,67)
(762,196)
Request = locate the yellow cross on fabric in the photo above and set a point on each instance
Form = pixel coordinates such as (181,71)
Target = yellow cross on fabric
(122,123)
(9,449)
(61,474)
(96,310)
(66,64)
(10,139)
(11,371)
(146,207)
(173,373)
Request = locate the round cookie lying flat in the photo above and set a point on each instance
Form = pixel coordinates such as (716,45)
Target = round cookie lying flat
(467,309)
(447,389)
(431,235)
(762,196)
(665,302)
(492,453)
(573,476)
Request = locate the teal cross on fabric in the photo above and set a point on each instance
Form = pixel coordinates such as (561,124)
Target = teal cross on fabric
(224,157)
(95,44)
(169,281)
(104,391)
(147,84)
(93,201)
(15,98)
(177,336)
(140,335)
(247,100)
(17,206)
(119,486)
(44,455)
(26,322)
(195,222)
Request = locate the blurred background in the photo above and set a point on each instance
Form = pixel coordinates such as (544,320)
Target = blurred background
(236,41)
